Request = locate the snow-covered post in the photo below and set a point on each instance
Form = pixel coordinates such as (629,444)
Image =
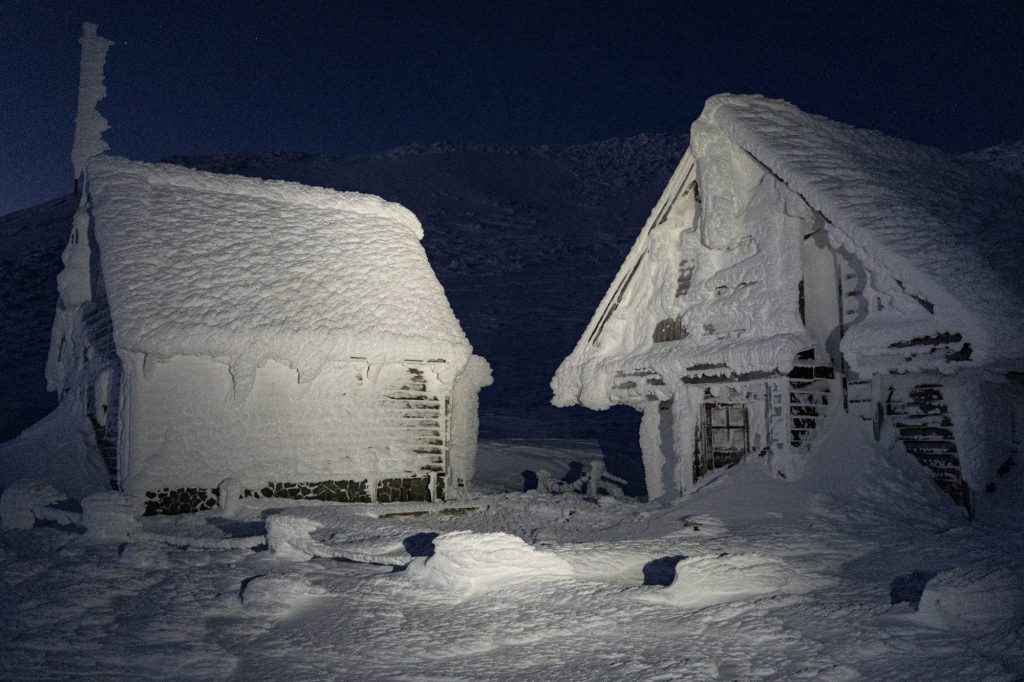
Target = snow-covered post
(650,449)
(685,413)
(111,516)
(89,123)
(465,422)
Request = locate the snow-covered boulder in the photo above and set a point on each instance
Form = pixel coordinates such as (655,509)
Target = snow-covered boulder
(717,579)
(472,563)
(20,500)
(980,598)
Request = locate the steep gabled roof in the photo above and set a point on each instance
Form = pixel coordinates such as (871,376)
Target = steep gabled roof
(243,269)
(950,232)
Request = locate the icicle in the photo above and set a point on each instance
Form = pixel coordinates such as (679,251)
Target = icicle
(243,375)
(89,123)
(148,365)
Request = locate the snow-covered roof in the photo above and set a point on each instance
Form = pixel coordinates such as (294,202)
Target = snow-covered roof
(242,269)
(950,232)
(946,231)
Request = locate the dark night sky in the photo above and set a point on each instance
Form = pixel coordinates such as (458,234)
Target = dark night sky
(351,77)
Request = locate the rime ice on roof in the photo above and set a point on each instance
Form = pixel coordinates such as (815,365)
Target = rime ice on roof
(243,269)
(948,232)
(89,123)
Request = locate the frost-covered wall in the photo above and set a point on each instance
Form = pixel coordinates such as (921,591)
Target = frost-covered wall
(183,427)
(719,266)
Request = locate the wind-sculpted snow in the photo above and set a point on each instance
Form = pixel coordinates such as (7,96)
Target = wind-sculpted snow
(469,563)
(205,264)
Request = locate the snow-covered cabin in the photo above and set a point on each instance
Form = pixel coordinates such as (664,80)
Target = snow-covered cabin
(795,268)
(292,338)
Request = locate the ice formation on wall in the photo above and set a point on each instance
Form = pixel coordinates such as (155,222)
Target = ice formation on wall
(89,123)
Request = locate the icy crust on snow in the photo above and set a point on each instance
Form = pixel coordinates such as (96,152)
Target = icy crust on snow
(246,270)
(946,231)
(89,123)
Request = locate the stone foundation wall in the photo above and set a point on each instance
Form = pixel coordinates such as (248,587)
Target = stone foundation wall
(187,500)
(180,500)
(330,491)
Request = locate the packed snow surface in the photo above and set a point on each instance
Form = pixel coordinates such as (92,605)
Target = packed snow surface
(205,264)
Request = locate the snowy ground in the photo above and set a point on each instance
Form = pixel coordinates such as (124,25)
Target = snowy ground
(860,570)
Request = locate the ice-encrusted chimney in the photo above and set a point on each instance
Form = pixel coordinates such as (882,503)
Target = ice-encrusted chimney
(89,123)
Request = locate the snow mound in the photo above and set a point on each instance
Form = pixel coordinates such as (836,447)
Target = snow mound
(59,449)
(472,563)
(978,599)
(302,533)
(20,500)
(276,592)
(708,580)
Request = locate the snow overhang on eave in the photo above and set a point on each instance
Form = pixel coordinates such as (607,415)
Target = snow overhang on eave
(657,372)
